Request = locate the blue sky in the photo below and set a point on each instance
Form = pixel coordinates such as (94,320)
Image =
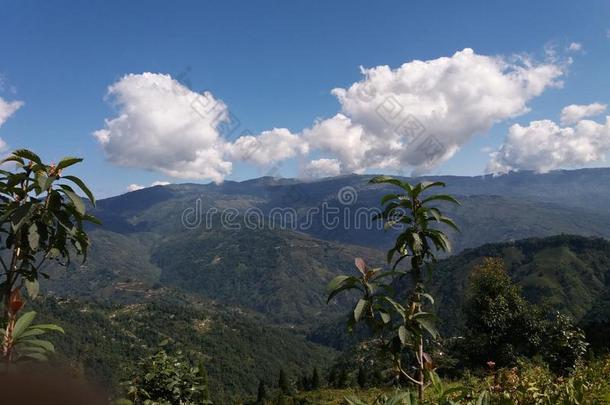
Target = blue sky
(273,63)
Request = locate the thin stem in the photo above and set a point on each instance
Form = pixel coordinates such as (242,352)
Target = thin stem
(421,370)
(406,375)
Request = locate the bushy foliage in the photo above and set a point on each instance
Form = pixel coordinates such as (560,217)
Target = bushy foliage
(502,326)
(529,383)
(167,379)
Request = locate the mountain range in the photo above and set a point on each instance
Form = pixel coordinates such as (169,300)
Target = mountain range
(265,249)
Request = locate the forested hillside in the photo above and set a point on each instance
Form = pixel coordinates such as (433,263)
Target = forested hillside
(239,348)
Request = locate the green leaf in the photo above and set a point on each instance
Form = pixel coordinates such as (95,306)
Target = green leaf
(428,297)
(402,334)
(397,307)
(435,213)
(37,356)
(417,243)
(49,327)
(426,321)
(44,344)
(360,306)
(348,285)
(20,216)
(68,161)
(48,182)
(390,180)
(336,283)
(12,158)
(483,398)
(76,200)
(449,222)
(82,186)
(31,331)
(33,236)
(388,197)
(41,180)
(92,219)
(428,184)
(385,317)
(440,197)
(22,323)
(32,287)
(26,154)
(341,283)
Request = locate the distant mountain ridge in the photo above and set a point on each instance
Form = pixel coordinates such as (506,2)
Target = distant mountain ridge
(521,205)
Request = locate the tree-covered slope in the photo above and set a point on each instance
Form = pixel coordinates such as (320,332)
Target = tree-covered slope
(569,273)
(240,348)
(281,274)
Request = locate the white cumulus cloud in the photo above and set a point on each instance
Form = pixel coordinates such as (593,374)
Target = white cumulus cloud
(8,108)
(322,168)
(574,113)
(162,125)
(421,113)
(544,145)
(267,147)
(135,187)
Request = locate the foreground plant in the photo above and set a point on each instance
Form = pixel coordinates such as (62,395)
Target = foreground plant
(22,340)
(402,327)
(41,220)
(164,379)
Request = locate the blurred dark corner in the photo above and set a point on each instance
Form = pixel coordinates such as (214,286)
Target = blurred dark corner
(48,386)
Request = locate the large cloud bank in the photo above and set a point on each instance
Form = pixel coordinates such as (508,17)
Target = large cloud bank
(415,116)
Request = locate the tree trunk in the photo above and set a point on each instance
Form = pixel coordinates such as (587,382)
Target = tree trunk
(420,388)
